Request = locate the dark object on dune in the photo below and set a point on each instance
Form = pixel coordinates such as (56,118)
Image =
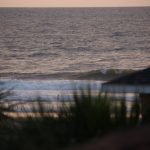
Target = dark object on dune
(137,82)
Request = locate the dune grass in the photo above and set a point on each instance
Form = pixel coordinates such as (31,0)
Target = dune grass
(85,117)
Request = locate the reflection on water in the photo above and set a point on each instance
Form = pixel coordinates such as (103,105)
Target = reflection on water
(46,89)
(51,93)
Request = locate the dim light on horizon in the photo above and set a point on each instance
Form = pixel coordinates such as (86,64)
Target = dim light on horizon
(73,3)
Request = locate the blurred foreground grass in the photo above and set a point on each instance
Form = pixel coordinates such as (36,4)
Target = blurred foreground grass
(76,121)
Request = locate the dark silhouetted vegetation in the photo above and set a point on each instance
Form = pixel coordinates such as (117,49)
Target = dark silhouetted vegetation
(76,121)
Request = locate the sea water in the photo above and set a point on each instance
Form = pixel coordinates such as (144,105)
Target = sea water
(61,40)
(50,40)
(46,90)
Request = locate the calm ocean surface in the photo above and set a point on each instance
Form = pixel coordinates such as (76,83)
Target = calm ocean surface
(57,40)
(54,40)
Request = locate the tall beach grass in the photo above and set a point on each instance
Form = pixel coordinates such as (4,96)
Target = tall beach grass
(87,116)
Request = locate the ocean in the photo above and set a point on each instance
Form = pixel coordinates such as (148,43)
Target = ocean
(53,42)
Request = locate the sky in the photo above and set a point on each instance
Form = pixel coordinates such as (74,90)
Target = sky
(73,3)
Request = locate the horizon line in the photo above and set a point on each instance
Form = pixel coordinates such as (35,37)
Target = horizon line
(73,6)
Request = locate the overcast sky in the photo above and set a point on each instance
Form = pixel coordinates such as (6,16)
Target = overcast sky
(72,3)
